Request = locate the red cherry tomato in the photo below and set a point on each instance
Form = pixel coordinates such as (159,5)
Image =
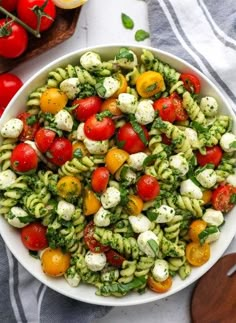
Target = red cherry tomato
(27,15)
(180,112)
(221,198)
(9,5)
(100,179)
(14,40)
(99,129)
(129,140)
(165,139)
(114,258)
(9,85)
(24,158)
(60,151)
(213,156)
(165,108)
(86,107)
(34,237)
(91,242)
(30,126)
(147,187)
(1,111)
(44,139)
(191,82)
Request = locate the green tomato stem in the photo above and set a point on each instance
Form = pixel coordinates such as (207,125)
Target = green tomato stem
(34,32)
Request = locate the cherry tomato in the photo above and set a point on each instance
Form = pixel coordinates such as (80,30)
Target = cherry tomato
(147,187)
(191,82)
(115,158)
(206,196)
(149,83)
(195,228)
(69,187)
(30,126)
(159,287)
(91,242)
(55,262)
(180,112)
(53,100)
(1,111)
(91,203)
(165,139)
(9,5)
(44,139)
(197,254)
(24,158)
(165,108)
(114,258)
(60,151)
(134,205)
(110,104)
(221,198)
(213,156)
(9,85)
(13,39)
(86,107)
(129,140)
(34,237)
(28,16)
(99,129)
(100,179)
(123,85)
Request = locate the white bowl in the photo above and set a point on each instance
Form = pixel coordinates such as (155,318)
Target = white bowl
(86,293)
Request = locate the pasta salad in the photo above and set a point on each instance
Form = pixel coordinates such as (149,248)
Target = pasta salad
(119,173)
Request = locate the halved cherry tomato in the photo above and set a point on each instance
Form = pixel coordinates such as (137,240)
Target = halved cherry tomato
(60,151)
(197,254)
(206,196)
(69,187)
(100,179)
(91,203)
(96,128)
(159,287)
(111,105)
(114,258)
(147,187)
(115,158)
(165,108)
(53,100)
(55,262)
(9,85)
(86,107)
(33,236)
(191,82)
(221,198)
(129,140)
(91,242)
(30,126)
(123,85)
(195,228)
(134,205)
(165,139)
(180,112)
(149,83)
(213,156)
(24,158)
(44,139)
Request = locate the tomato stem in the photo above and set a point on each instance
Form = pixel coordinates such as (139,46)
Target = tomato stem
(20,22)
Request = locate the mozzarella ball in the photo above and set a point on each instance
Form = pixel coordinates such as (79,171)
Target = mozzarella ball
(179,163)
(95,261)
(17,217)
(64,120)
(213,236)
(7,178)
(101,218)
(110,198)
(228,142)
(139,223)
(70,87)
(136,160)
(213,217)
(164,213)
(192,137)
(209,106)
(231,179)
(143,242)
(188,188)
(160,270)
(128,61)
(145,112)
(96,147)
(65,210)
(90,60)
(127,103)
(207,178)
(110,86)
(12,128)
(80,135)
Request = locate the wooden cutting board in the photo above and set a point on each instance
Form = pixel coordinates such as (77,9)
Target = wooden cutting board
(214,296)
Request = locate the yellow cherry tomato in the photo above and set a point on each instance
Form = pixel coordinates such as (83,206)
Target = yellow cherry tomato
(54,262)
(123,85)
(91,203)
(195,228)
(206,196)
(69,4)
(150,83)
(134,205)
(159,287)
(69,187)
(111,105)
(53,100)
(80,145)
(197,254)
(115,158)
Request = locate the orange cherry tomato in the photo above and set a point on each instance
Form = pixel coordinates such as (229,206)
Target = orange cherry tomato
(123,85)
(159,287)
(69,187)
(197,254)
(91,203)
(54,262)
(115,158)
(53,100)
(111,105)
(206,196)
(195,228)
(134,205)
(79,145)
(149,83)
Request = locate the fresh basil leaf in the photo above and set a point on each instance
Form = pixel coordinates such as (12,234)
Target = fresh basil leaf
(78,153)
(233,198)
(198,127)
(101,90)
(124,195)
(206,233)
(138,129)
(104,114)
(153,245)
(141,35)
(31,120)
(152,216)
(127,22)
(151,87)
(121,143)
(149,160)
(124,53)
(34,254)
(233,144)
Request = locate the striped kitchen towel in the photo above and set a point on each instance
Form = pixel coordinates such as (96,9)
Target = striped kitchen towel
(203,32)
